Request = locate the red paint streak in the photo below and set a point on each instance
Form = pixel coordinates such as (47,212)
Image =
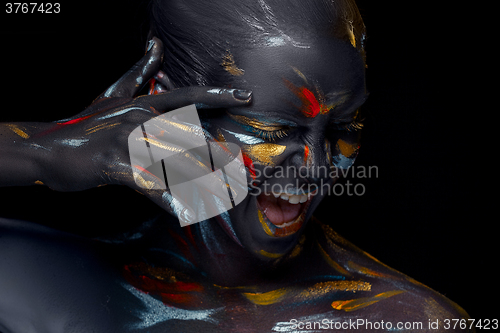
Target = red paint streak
(75,121)
(249,164)
(183,245)
(312,108)
(177,292)
(189,234)
(311,105)
(152,87)
(306,153)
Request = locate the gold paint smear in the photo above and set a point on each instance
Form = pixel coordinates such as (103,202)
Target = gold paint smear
(323,288)
(220,136)
(263,126)
(298,248)
(267,298)
(264,224)
(299,73)
(18,130)
(366,271)
(270,255)
(332,263)
(264,152)
(347,149)
(230,66)
(100,127)
(352,38)
(359,303)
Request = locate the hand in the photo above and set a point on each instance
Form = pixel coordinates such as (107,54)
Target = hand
(91,149)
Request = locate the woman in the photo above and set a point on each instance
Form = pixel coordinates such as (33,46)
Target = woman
(265,265)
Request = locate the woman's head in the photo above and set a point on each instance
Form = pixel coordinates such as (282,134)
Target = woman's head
(304,62)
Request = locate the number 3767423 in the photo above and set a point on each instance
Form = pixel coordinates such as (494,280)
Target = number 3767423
(32,8)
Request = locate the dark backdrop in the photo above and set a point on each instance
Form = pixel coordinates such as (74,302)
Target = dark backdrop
(429,213)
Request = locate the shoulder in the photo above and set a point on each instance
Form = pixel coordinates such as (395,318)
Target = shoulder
(392,296)
(52,281)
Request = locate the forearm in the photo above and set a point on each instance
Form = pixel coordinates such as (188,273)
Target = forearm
(21,157)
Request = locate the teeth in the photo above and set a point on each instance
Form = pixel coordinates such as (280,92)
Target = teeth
(293,199)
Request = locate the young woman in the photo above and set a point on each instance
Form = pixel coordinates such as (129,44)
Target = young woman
(284,81)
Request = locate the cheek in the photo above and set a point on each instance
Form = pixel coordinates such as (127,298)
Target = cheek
(344,151)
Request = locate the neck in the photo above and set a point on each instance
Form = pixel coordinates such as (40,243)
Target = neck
(203,248)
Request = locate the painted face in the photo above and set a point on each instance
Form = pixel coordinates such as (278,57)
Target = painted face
(301,126)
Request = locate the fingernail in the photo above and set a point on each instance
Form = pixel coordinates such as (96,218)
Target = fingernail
(242,94)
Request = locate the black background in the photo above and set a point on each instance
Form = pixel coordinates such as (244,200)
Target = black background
(429,214)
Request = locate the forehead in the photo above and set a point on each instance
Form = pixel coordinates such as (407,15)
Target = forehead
(331,66)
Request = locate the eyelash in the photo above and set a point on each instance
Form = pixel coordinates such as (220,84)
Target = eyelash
(271,135)
(353,126)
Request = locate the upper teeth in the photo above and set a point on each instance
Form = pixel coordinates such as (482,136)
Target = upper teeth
(293,199)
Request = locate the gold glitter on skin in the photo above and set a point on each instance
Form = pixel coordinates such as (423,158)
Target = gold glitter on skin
(323,288)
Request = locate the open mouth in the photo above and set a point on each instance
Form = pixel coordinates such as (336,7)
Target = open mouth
(281,214)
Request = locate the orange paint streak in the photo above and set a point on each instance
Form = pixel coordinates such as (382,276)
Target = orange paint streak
(306,153)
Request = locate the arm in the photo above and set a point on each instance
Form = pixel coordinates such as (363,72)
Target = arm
(91,148)
(20,156)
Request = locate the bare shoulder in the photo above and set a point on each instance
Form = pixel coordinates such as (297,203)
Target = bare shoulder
(52,281)
(390,295)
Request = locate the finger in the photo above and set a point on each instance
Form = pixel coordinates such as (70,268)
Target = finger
(202,96)
(136,77)
(164,80)
(169,132)
(172,165)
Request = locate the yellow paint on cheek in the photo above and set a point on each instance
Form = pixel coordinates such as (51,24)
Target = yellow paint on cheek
(268,298)
(18,130)
(347,149)
(264,153)
(359,303)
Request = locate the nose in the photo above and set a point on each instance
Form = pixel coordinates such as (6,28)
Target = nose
(312,159)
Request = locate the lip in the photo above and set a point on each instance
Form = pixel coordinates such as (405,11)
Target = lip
(287,228)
